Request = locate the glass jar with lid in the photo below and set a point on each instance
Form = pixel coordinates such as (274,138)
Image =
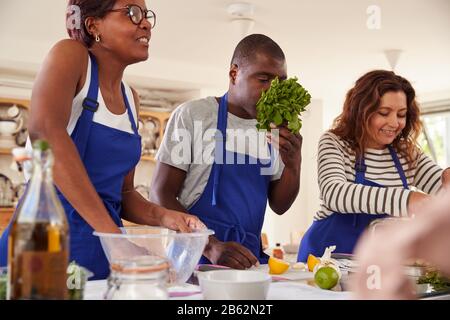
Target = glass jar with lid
(138,278)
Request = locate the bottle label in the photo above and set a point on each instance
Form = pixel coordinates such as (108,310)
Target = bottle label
(44,275)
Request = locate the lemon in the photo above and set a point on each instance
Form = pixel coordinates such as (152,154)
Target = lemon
(312,262)
(326,278)
(277,266)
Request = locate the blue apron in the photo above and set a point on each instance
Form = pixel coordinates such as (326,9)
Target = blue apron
(234,200)
(108,154)
(343,229)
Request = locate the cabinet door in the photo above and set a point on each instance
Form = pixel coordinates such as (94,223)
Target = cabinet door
(5,216)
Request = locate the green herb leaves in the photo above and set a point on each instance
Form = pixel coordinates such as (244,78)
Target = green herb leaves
(434,278)
(282,103)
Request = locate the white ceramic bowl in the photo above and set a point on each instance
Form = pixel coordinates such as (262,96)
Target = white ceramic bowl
(291,248)
(8,127)
(234,284)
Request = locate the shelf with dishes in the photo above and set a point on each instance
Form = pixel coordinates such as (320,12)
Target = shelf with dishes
(13,124)
(5,151)
(152,125)
(14,119)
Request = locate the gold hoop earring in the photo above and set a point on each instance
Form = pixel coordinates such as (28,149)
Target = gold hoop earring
(97,38)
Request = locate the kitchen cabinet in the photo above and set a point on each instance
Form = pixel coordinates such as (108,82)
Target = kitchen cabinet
(13,133)
(152,125)
(5,217)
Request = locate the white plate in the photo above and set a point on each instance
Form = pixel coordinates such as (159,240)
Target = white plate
(290,274)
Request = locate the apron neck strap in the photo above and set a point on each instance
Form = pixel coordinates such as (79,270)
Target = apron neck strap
(399,167)
(90,106)
(222,118)
(360,168)
(129,111)
(90,103)
(219,151)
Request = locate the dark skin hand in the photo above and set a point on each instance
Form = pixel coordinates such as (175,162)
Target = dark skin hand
(166,185)
(283,192)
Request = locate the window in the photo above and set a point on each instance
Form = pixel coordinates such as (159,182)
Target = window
(435,138)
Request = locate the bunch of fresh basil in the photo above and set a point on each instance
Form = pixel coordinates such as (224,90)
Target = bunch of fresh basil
(282,103)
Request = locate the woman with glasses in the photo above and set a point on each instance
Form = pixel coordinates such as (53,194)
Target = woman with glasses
(81,106)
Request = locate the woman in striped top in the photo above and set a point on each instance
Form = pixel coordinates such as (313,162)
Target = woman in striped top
(369,164)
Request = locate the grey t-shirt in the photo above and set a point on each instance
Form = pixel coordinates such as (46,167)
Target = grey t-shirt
(189,145)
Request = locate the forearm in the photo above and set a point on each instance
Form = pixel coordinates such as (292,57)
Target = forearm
(166,199)
(136,209)
(285,191)
(342,196)
(72,180)
(428,176)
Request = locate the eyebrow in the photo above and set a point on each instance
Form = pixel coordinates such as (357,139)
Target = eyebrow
(390,108)
(270,75)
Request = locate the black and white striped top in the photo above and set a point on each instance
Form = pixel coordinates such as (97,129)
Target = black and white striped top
(340,193)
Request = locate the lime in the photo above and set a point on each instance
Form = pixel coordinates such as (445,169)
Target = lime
(326,278)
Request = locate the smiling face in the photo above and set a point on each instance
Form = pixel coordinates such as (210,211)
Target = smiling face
(120,37)
(387,122)
(249,80)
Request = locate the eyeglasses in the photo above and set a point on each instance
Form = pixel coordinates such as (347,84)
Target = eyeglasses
(137,14)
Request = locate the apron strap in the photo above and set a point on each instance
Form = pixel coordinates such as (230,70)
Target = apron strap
(360,168)
(130,113)
(90,106)
(398,166)
(219,151)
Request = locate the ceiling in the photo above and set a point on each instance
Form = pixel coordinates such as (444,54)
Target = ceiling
(327,42)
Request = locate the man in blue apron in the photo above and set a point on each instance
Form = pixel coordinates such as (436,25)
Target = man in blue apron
(230,197)
(344,229)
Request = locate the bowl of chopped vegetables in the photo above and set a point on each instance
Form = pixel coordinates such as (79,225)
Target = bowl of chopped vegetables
(433,280)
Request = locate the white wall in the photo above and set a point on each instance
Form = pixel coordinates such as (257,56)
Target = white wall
(299,216)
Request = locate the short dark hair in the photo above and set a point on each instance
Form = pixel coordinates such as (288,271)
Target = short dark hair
(248,47)
(88,8)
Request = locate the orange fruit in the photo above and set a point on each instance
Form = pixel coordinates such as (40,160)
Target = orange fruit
(277,266)
(312,262)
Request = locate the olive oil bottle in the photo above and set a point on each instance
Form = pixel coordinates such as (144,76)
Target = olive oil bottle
(39,237)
